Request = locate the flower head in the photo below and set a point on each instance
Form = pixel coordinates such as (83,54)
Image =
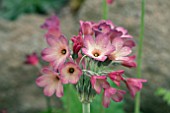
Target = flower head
(121,51)
(112,93)
(109,1)
(77,43)
(97,48)
(58,51)
(70,73)
(134,85)
(99,82)
(51,82)
(32,59)
(52,24)
(116,76)
(86,28)
(130,62)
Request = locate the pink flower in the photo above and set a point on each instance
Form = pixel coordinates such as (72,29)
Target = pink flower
(121,52)
(124,32)
(51,82)
(86,28)
(97,48)
(116,76)
(130,62)
(52,24)
(99,82)
(32,59)
(112,93)
(70,73)
(134,85)
(58,51)
(109,1)
(104,27)
(77,43)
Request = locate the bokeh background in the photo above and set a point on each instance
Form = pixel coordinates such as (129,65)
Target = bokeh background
(20,34)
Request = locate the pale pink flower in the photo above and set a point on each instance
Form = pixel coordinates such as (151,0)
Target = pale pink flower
(51,82)
(70,73)
(130,62)
(52,24)
(99,82)
(97,48)
(116,76)
(58,51)
(77,43)
(86,27)
(32,59)
(112,93)
(121,52)
(134,85)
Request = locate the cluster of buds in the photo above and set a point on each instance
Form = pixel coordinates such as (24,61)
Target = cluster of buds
(87,63)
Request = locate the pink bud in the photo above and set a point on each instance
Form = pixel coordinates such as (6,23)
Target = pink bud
(32,59)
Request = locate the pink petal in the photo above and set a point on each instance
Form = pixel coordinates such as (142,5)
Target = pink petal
(59,89)
(49,89)
(42,81)
(124,51)
(118,96)
(118,43)
(106,101)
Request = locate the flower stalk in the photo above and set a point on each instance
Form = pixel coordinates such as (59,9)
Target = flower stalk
(139,56)
(105,10)
(86,107)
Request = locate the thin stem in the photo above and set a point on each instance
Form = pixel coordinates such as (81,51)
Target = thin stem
(68,99)
(48,103)
(105,10)
(139,57)
(86,107)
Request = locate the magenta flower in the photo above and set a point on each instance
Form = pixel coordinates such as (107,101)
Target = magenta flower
(58,51)
(97,48)
(51,82)
(32,59)
(77,43)
(99,82)
(116,76)
(109,1)
(121,52)
(52,24)
(103,27)
(134,85)
(70,73)
(112,93)
(86,28)
(130,62)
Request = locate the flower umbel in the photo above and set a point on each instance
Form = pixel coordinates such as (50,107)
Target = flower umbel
(87,65)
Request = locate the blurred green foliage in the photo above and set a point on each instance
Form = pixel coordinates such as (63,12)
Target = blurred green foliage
(11,9)
(165,94)
(72,104)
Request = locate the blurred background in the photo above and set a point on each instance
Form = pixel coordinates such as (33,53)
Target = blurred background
(20,34)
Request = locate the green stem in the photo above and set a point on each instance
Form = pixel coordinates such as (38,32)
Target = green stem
(48,102)
(86,107)
(139,57)
(68,99)
(105,10)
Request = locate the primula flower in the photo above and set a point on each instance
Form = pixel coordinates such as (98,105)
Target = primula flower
(97,48)
(116,76)
(52,24)
(99,82)
(70,73)
(77,43)
(32,59)
(86,28)
(58,51)
(109,1)
(112,93)
(121,52)
(51,82)
(134,85)
(130,62)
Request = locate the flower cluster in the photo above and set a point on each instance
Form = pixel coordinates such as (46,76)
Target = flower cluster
(86,65)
